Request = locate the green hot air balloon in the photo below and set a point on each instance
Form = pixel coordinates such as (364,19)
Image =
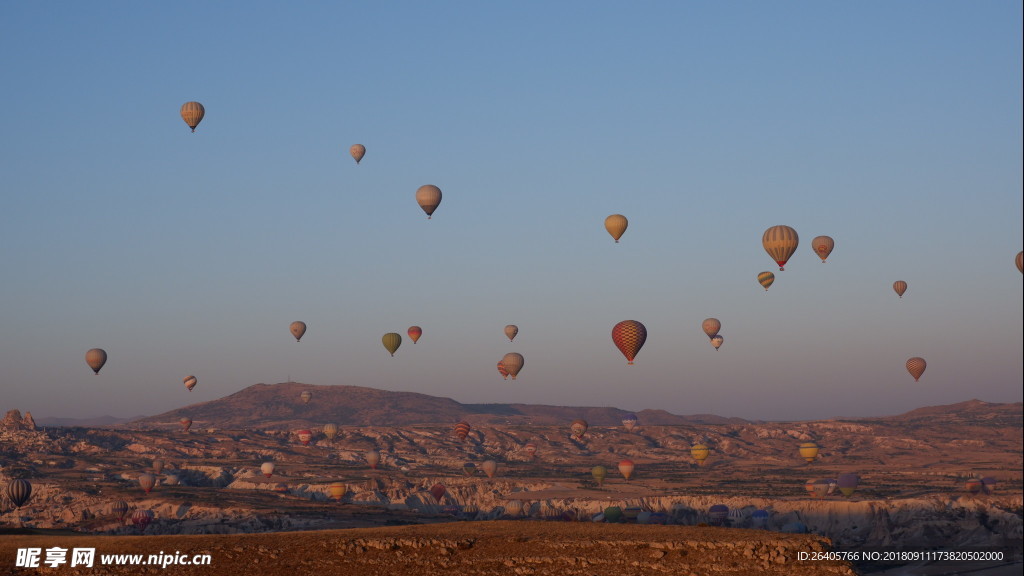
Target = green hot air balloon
(599,473)
(391,341)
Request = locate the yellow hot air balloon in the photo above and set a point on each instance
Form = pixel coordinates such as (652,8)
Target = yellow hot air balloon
(330,430)
(357,151)
(916,367)
(428,197)
(616,225)
(513,363)
(96,358)
(297,329)
(338,490)
(711,326)
(391,341)
(510,332)
(599,473)
(700,453)
(823,246)
(900,287)
(809,451)
(766,279)
(780,243)
(192,113)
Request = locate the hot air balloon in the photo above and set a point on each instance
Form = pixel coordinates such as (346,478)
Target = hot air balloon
(612,514)
(700,453)
(616,225)
(510,332)
(19,491)
(306,396)
(718,514)
(297,329)
(847,483)
(142,518)
(281,488)
(717,341)
(988,484)
(414,333)
(809,451)
(780,242)
(438,491)
(267,468)
(823,246)
(391,341)
(766,279)
(119,508)
(1020,262)
(158,466)
(531,449)
(759,518)
(190,382)
(428,197)
(330,430)
(973,485)
(501,370)
(578,428)
(462,430)
(372,458)
(357,151)
(192,113)
(711,326)
(490,467)
(513,363)
(626,468)
(338,490)
(96,358)
(305,436)
(916,367)
(186,423)
(900,287)
(469,469)
(599,473)
(147,482)
(629,336)
(629,422)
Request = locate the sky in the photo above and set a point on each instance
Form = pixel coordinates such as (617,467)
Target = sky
(893,127)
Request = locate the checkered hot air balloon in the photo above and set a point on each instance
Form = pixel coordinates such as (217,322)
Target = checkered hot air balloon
(513,363)
(629,337)
(916,367)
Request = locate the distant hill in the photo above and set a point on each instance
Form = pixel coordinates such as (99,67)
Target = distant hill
(96,422)
(970,412)
(280,406)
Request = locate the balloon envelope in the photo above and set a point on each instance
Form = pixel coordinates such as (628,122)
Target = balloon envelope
(766,279)
(330,431)
(19,491)
(190,382)
(338,490)
(510,332)
(579,428)
(629,422)
(616,225)
(186,423)
(513,363)
(391,341)
(297,328)
(414,333)
(372,458)
(96,358)
(711,326)
(502,370)
(847,483)
(599,473)
(626,468)
(428,197)
(700,453)
(462,430)
(357,151)
(267,468)
(490,467)
(305,436)
(438,491)
(823,246)
(119,508)
(192,113)
(809,451)
(147,482)
(629,337)
(306,396)
(142,518)
(717,341)
(900,287)
(780,242)
(916,367)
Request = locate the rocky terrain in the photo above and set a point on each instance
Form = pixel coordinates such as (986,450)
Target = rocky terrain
(913,470)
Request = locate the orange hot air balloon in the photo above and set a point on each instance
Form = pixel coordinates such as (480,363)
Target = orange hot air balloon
(357,151)
(297,328)
(900,287)
(823,246)
(766,279)
(809,451)
(916,367)
(96,358)
(192,113)
(700,453)
(414,333)
(626,468)
(711,327)
(490,467)
(513,363)
(629,337)
(616,225)
(501,370)
(190,382)
(338,490)
(780,243)
(510,332)
(428,197)
(462,430)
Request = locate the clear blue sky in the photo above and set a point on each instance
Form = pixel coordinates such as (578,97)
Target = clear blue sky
(894,127)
